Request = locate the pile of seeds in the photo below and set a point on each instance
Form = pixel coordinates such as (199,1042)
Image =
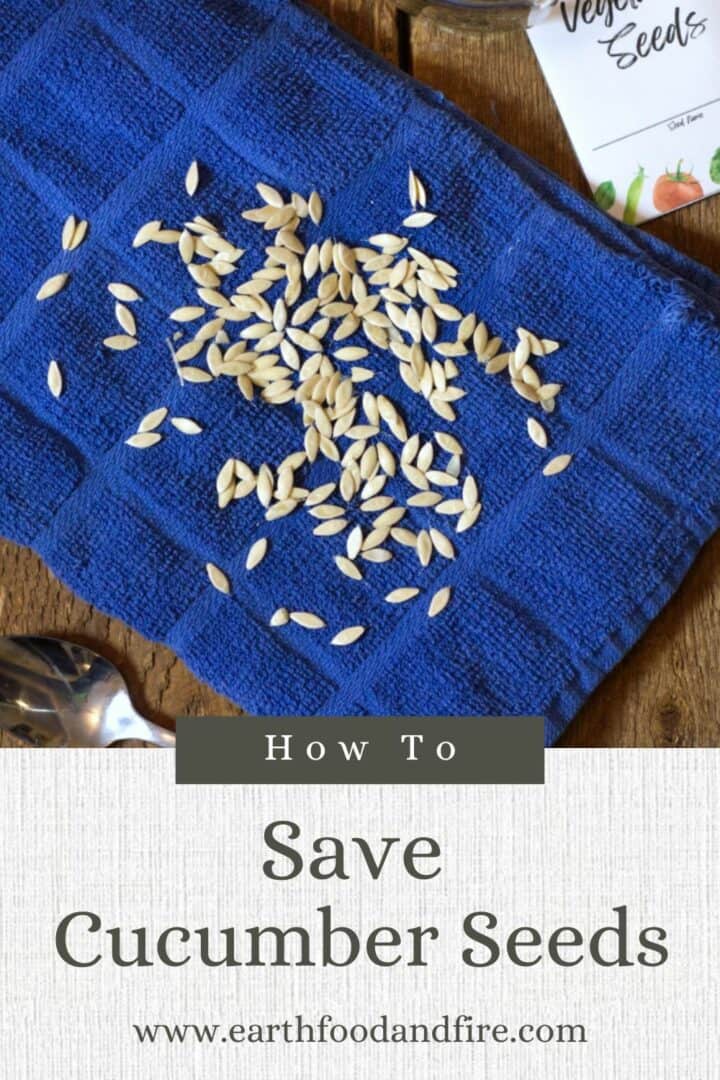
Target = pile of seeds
(307,330)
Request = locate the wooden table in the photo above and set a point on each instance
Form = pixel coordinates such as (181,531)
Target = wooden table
(665,693)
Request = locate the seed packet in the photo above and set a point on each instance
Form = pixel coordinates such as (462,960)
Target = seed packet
(638,85)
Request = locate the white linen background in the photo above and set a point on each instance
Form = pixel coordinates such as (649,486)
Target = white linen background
(110,832)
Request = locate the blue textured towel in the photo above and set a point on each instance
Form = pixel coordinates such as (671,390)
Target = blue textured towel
(102,107)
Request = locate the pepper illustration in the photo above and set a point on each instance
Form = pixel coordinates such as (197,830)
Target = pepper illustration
(632,201)
(606,195)
(676,189)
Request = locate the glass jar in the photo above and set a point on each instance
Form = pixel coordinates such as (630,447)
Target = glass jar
(480,14)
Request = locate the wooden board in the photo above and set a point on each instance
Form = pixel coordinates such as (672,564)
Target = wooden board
(665,693)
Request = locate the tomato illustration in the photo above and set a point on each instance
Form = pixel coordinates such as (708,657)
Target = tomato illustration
(673,190)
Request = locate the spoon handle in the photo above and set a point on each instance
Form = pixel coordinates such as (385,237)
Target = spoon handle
(40,735)
(140,728)
(162,737)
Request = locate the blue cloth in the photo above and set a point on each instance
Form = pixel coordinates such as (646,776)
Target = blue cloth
(101,110)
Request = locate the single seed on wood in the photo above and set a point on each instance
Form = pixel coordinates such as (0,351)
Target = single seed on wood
(52,286)
(348,636)
(218,579)
(308,620)
(440,601)
(54,379)
(537,432)
(256,554)
(281,617)
(400,596)
(557,464)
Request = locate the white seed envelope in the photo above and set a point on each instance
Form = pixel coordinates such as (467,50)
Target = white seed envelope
(639,92)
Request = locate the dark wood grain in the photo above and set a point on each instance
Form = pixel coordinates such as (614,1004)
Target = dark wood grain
(375,23)
(665,693)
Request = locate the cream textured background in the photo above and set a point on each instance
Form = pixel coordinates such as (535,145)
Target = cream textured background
(110,831)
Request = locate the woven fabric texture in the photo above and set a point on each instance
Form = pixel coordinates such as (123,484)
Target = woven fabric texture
(101,112)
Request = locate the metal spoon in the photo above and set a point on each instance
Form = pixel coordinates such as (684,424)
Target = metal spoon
(54,693)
